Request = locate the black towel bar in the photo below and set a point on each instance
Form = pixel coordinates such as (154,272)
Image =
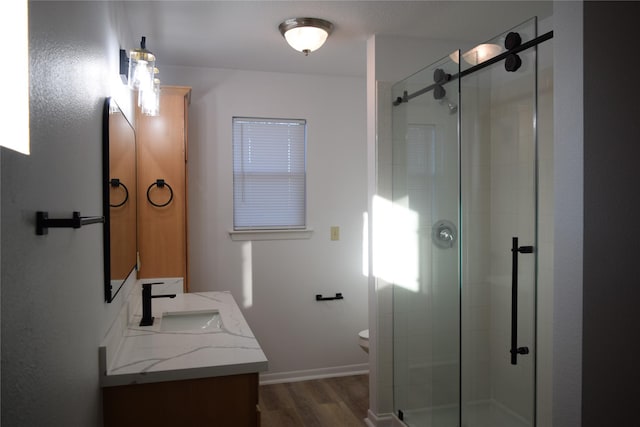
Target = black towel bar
(319,297)
(43,222)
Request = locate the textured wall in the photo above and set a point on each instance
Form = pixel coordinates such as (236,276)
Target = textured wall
(53,310)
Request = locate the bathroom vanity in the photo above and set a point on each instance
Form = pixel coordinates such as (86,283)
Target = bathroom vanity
(198,363)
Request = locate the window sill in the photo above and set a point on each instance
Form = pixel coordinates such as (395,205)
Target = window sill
(244,235)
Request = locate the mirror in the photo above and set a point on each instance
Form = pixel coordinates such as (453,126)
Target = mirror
(119,198)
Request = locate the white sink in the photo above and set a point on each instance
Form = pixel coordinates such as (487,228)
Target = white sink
(196,321)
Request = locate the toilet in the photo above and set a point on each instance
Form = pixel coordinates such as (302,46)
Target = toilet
(363,340)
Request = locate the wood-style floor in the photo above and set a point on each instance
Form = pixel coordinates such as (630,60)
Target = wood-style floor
(330,402)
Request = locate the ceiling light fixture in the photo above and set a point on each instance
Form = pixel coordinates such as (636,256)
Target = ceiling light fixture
(478,54)
(306,34)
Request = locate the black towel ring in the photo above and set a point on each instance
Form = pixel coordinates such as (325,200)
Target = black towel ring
(160,183)
(115,183)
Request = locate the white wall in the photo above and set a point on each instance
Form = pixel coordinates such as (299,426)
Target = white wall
(568,213)
(275,282)
(53,310)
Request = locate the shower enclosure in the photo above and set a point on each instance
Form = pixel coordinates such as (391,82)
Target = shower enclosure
(465,203)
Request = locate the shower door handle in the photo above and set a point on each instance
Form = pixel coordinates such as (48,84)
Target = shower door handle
(515,250)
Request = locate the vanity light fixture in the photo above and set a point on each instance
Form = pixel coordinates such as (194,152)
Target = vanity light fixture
(137,71)
(306,34)
(149,99)
(142,64)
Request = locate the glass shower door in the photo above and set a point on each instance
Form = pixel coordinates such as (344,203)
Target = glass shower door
(425,210)
(498,252)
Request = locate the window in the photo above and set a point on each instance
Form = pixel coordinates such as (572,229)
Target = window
(269,174)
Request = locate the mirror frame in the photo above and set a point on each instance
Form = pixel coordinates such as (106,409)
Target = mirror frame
(109,292)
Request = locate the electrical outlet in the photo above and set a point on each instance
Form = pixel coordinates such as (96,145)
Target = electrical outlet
(335,232)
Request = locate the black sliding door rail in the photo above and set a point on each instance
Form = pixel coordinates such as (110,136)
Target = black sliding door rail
(524,46)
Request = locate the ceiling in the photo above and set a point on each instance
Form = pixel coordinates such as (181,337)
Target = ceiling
(244,34)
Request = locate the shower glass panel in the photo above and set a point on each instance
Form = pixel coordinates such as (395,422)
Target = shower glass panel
(464,242)
(498,204)
(425,209)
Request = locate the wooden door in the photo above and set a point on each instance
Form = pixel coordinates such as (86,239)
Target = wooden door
(162,154)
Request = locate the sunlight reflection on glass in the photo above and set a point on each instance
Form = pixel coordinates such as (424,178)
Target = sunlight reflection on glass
(365,243)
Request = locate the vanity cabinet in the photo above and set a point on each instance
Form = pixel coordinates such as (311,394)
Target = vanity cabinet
(160,375)
(162,155)
(217,401)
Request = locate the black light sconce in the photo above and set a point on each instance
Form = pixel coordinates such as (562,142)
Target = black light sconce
(124,67)
(139,67)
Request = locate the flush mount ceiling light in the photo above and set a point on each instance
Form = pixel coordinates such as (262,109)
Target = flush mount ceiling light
(478,54)
(481,53)
(306,34)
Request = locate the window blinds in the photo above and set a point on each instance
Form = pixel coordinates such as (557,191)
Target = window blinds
(269,173)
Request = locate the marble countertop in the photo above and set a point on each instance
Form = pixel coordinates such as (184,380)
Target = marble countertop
(148,354)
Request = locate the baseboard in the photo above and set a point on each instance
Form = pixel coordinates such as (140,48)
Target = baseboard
(314,374)
(373,420)
(395,422)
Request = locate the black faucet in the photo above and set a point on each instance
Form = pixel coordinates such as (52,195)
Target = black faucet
(147,318)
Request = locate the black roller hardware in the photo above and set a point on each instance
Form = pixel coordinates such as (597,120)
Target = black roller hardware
(512,62)
(463,73)
(440,76)
(512,41)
